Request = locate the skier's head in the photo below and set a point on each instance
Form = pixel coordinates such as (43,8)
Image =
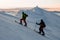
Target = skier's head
(41,20)
(22,12)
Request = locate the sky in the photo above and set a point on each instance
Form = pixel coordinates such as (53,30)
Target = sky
(29,3)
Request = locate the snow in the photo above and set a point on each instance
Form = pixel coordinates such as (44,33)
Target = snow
(9,30)
(57,14)
(11,13)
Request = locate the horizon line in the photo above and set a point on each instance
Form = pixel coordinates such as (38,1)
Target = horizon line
(30,7)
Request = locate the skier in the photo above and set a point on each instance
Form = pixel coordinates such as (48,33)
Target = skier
(42,26)
(24,15)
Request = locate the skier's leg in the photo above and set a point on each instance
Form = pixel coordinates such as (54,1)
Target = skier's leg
(25,22)
(43,33)
(20,21)
(40,30)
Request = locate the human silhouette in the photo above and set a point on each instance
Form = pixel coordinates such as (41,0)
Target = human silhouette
(24,16)
(42,26)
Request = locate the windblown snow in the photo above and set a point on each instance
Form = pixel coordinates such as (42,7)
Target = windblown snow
(9,30)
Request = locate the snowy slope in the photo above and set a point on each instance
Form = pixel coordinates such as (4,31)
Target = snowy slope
(9,30)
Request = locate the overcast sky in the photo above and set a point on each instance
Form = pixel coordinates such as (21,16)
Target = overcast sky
(29,3)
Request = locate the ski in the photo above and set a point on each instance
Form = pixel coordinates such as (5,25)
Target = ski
(19,23)
(38,33)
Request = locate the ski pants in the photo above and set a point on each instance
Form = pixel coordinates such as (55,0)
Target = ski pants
(24,20)
(41,31)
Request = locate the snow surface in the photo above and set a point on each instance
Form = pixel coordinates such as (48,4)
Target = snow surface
(9,30)
(57,14)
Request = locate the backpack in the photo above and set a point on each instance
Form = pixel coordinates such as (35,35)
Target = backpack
(43,24)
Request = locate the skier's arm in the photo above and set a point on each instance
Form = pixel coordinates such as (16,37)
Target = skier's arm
(38,23)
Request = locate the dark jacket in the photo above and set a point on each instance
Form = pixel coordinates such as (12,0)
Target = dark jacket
(24,15)
(42,24)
